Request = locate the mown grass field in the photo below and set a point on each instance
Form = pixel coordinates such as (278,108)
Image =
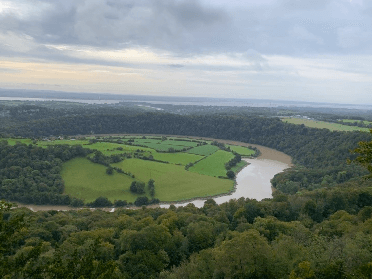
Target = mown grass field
(176,158)
(165,145)
(173,182)
(88,181)
(243,151)
(213,165)
(204,150)
(324,125)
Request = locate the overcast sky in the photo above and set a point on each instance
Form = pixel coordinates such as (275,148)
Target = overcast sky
(318,50)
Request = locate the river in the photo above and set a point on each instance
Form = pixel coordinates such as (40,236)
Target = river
(253,181)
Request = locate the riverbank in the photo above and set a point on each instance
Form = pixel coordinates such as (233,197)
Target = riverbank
(252,181)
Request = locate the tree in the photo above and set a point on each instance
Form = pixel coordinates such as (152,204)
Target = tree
(365,157)
(151,187)
(230,174)
(110,170)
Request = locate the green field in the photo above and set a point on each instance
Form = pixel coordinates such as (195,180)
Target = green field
(165,145)
(241,150)
(176,158)
(88,181)
(204,150)
(213,165)
(12,141)
(173,182)
(239,166)
(44,143)
(323,125)
(358,121)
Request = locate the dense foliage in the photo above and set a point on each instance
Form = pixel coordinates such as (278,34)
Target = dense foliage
(31,174)
(315,148)
(324,234)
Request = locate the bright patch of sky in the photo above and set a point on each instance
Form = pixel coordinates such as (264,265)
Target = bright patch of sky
(270,49)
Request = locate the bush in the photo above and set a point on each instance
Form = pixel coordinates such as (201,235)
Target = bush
(141,201)
(101,202)
(120,203)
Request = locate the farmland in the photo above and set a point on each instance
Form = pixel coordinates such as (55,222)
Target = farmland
(323,125)
(181,168)
(213,165)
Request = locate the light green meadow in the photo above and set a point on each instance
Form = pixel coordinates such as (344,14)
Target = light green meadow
(323,125)
(213,165)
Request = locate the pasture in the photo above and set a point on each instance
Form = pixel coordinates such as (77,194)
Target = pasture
(88,181)
(213,165)
(241,150)
(323,125)
(173,182)
(204,150)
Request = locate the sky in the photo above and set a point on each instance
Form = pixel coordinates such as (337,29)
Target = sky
(317,51)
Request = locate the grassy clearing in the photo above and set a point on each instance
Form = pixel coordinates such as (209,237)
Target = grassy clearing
(243,151)
(357,121)
(214,165)
(160,145)
(204,150)
(239,166)
(88,181)
(43,143)
(12,141)
(324,125)
(176,158)
(173,182)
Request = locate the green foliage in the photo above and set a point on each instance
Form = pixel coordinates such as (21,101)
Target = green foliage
(365,157)
(323,125)
(100,202)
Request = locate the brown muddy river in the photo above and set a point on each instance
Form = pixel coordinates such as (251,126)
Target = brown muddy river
(252,182)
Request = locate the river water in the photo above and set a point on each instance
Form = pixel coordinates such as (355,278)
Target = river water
(252,182)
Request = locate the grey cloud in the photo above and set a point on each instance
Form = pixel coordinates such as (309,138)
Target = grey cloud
(186,27)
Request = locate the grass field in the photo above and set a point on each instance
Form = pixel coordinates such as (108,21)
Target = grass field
(12,141)
(243,151)
(160,145)
(204,150)
(239,166)
(174,182)
(353,121)
(176,158)
(322,125)
(43,143)
(88,181)
(213,165)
